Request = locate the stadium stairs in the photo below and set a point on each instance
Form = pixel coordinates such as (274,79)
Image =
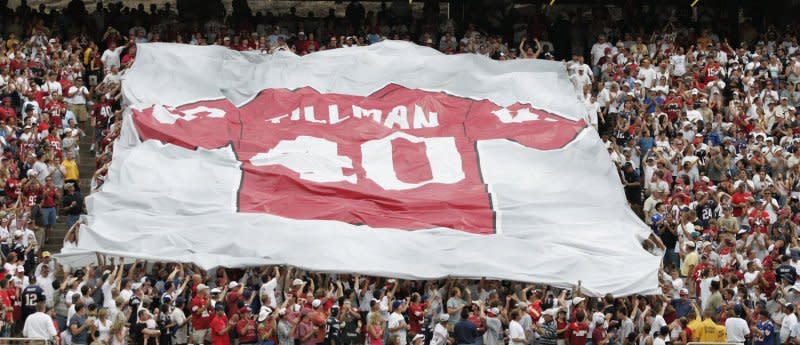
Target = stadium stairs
(86,166)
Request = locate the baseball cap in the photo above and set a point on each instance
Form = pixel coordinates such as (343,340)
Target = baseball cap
(551,312)
(316,303)
(684,292)
(396,304)
(215,290)
(444,317)
(264,313)
(219,306)
(244,309)
(577,300)
(232,285)
(201,287)
(494,311)
(45,254)
(297,281)
(20,269)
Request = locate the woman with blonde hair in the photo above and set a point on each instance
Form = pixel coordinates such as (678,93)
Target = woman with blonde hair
(375,329)
(103,327)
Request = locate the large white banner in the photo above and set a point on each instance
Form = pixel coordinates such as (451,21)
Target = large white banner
(390,160)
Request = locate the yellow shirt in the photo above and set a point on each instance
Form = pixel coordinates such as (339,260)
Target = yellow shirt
(72,169)
(691,259)
(712,332)
(696,326)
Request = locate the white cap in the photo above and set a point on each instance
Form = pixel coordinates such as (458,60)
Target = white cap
(297,281)
(232,285)
(577,300)
(201,287)
(443,317)
(316,303)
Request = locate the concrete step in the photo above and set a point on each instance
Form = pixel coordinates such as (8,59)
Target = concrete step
(86,167)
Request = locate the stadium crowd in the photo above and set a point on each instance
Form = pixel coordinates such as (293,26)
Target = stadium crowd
(705,132)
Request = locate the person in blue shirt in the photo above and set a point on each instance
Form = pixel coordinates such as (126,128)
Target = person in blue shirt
(465,332)
(765,330)
(31,295)
(682,305)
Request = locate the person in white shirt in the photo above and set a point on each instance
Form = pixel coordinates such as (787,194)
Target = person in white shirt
(111,56)
(181,325)
(647,74)
(77,95)
(599,49)
(516,335)
(440,335)
(45,280)
(268,288)
(788,322)
(579,80)
(397,325)
(736,329)
(39,325)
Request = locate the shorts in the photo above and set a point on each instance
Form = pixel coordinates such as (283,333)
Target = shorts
(80,112)
(49,214)
(199,336)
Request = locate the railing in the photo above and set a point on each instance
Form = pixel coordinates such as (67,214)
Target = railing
(24,341)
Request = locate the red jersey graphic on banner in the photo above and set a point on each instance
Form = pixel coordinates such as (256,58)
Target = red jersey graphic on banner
(399,158)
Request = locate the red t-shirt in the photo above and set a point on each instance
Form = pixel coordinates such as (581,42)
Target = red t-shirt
(49,197)
(416,314)
(200,319)
(246,330)
(561,325)
(232,302)
(218,323)
(319,319)
(535,311)
(739,198)
(6,302)
(578,333)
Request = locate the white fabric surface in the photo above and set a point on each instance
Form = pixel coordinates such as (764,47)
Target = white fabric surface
(562,213)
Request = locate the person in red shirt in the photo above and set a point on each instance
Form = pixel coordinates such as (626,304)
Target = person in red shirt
(267,325)
(50,196)
(7,111)
(220,326)
(416,314)
(759,218)
(739,200)
(578,331)
(246,327)
(7,305)
(534,304)
(319,319)
(201,315)
(233,297)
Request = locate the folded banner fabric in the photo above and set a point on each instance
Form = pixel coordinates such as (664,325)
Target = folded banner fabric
(389,160)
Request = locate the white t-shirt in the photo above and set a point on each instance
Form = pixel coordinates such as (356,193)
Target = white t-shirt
(108,300)
(46,283)
(396,320)
(268,289)
(787,324)
(78,95)
(648,76)
(659,341)
(39,325)
(736,329)
(103,328)
(440,335)
(515,331)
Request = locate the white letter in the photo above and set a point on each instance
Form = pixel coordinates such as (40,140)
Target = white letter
(441,153)
(333,114)
(308,112)
(375,114)
(398,115)
(420,120)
